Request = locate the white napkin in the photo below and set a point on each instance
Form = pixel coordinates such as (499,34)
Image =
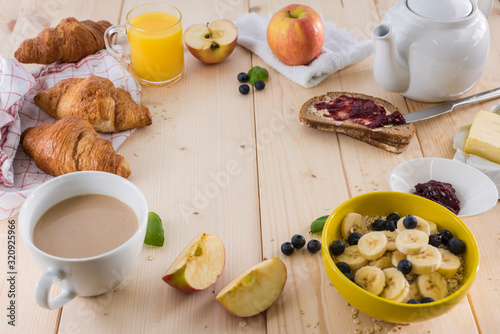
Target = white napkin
(491,169)
(27,177)
(339,50)
(15,82)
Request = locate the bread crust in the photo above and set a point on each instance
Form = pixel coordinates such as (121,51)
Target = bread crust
(394,138)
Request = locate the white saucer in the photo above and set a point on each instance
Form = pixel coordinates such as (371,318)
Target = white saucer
(475,191)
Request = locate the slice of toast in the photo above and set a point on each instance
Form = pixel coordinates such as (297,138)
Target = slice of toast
(395,138)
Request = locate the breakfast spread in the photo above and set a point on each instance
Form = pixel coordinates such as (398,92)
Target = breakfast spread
(439,192)
(484,136)
(403,259)
(361,117)
(69,145)
(84,226)
(69,42)
(360,111)
(107,108)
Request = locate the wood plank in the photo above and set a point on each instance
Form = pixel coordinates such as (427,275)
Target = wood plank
(202,128)
(21,20)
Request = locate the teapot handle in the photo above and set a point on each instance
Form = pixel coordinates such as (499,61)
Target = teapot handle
(485,6)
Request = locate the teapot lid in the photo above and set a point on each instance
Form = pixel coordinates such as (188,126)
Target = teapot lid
(442,9)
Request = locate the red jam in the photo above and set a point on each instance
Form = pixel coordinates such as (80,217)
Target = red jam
(360,111)
(439,192)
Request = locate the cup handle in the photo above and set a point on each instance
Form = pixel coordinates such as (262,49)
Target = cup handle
(107,41)
(44,285)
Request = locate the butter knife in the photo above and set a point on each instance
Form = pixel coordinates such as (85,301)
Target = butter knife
(448,106)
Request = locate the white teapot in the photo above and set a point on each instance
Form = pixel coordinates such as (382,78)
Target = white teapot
(432,50)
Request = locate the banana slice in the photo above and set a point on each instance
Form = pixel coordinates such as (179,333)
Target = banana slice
(372,245)
(433,227)
(403,297)
(385,261)
(422,225)
(391,240)
(372,279)
(395,283)
(396,257)
(449,263)
(411,241)
(414,292)
(352,257)
(425,262)
(432,285)
(352,222)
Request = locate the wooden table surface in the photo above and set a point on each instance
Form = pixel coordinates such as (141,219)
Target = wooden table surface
(284,176)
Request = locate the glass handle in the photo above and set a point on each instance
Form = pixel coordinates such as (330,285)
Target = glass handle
(107,40)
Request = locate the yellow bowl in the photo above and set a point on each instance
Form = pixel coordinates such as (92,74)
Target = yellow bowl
(383,203)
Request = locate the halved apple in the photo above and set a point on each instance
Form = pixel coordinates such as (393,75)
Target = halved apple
(211,43)
(254,290)
(199,265)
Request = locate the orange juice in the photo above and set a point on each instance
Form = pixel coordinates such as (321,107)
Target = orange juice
(156,49)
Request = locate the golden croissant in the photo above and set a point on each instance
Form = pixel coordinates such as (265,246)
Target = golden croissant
(71,145)
(107,108)
(69,42)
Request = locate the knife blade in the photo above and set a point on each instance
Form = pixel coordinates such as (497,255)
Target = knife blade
(448,106)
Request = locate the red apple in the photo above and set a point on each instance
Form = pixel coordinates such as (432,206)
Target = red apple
(255,289)
(211,44)
(296,34)
(199,264)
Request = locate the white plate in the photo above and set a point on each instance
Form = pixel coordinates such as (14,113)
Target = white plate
(475,191)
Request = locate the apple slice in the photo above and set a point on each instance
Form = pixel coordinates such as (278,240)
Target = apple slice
(211,44)
(254,290)
(199,265)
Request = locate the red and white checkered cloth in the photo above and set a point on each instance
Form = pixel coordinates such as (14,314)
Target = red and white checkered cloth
(25,176)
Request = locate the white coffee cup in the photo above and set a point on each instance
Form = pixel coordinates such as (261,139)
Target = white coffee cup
(89,276)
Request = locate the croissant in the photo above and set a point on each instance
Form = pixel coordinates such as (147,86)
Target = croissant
(107,108)
(69,42)
(71,145)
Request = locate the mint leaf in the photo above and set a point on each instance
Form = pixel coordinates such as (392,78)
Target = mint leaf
(154,232)
(257,73)
(318,224)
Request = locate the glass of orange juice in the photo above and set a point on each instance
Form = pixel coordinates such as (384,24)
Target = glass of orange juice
(154,33)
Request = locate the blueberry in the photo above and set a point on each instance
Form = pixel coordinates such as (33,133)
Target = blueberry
(244,89)
(314,246)
(349,276)
(379,225)
(393,217)
(426,300)
(456,246)
(435,240)
(298,241)
(354,238)
(287,248)
(413,301)
(242,77)
(445,236)
(259,85)
(410,222)
(390,225)
(404,266)
(344,268)
(336,247)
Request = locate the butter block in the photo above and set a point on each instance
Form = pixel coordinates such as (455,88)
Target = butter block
(484,137)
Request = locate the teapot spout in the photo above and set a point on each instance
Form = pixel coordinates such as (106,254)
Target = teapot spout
(389,68)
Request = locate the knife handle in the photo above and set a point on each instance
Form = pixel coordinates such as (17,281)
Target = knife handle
(484,96)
